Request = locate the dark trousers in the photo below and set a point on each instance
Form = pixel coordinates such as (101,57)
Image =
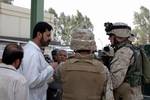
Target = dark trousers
(54,91)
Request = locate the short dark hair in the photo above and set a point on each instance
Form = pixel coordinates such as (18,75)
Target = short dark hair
(11,53)
(54,53)
(41,27)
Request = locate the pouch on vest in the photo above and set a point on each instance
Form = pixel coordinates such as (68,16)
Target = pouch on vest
(145,66)
(134,74)
(145,63)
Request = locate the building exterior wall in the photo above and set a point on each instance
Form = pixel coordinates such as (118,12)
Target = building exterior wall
(15,21)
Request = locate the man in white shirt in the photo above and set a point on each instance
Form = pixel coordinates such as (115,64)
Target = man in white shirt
(34,66)
(13,85)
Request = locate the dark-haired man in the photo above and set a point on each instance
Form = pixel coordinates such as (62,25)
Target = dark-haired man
(54,91)
(54,54)
(34,66)
(13,86)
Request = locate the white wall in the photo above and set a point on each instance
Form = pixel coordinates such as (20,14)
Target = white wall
(15,21)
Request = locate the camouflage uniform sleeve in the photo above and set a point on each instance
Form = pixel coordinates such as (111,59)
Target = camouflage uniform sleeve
(119,65)
(108,89)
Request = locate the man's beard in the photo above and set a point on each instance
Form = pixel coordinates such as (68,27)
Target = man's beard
(44,43)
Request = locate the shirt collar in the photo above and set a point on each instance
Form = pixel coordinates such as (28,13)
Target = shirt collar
(35,45)
(2,65)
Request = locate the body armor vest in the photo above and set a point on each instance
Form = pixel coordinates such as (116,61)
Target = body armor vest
(83,79)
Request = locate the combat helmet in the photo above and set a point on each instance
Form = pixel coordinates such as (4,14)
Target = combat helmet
(119,29)
(82,39)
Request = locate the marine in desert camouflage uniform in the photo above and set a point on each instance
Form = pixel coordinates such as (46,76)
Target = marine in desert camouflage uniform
(86,84)
(119,36)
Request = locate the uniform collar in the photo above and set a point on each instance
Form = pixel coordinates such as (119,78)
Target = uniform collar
(121,45)
(80,56)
